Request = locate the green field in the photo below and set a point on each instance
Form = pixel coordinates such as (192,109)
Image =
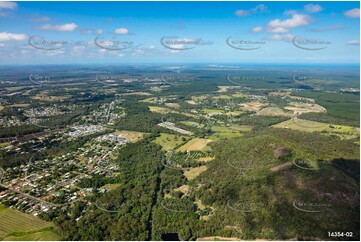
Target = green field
(169,141)
(211,111)
(219,136)
(312,126)
(15,225)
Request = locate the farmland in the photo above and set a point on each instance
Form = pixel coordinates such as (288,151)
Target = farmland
(18,226)
(194,144)
(169,141)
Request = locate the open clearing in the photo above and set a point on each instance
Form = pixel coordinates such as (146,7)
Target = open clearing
(132,136)
(192,173)
(272,111)
(184,189)
(194,144)
(169,141)
(109,187)
(19,105)
(172,105)
(206,159)
(192,102)
(312,126)
(252,106)
(27,227)
(161,110)
(233,131)
(220,136)
(299,108)
(213,111)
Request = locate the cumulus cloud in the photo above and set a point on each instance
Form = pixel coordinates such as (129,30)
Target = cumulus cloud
(283,26)
(5,36)
(353,42)
(257,29)
(40,19)
(327,28)
(8,5)
(258,9)
(63,28)
(313,8)
(121,31)
(283,37)
(353,13)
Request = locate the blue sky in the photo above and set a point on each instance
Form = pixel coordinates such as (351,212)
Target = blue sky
(179,32)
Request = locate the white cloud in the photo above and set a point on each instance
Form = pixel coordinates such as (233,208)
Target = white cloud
(353,42)
(258,9)
(284,37)
(4,36)
(353,13)
(63,28)
(257,29)
(8,5)
(121,31)
(313,8)
(41,19)
(282,26)
(278,30)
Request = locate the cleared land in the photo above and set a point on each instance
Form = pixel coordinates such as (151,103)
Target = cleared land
(194,144)
(299,108)
(15,225)
(228,132)
(192,173)
(312,126)
(161,110)
(252,106)
(169,141)
(132,136)
(272,111)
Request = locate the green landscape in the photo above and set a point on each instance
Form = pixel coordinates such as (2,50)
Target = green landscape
(146,160)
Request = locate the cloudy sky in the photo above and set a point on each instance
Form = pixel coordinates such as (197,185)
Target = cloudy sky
(179,32)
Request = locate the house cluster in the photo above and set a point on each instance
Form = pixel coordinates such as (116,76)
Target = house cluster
(85,129)
(42,186)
